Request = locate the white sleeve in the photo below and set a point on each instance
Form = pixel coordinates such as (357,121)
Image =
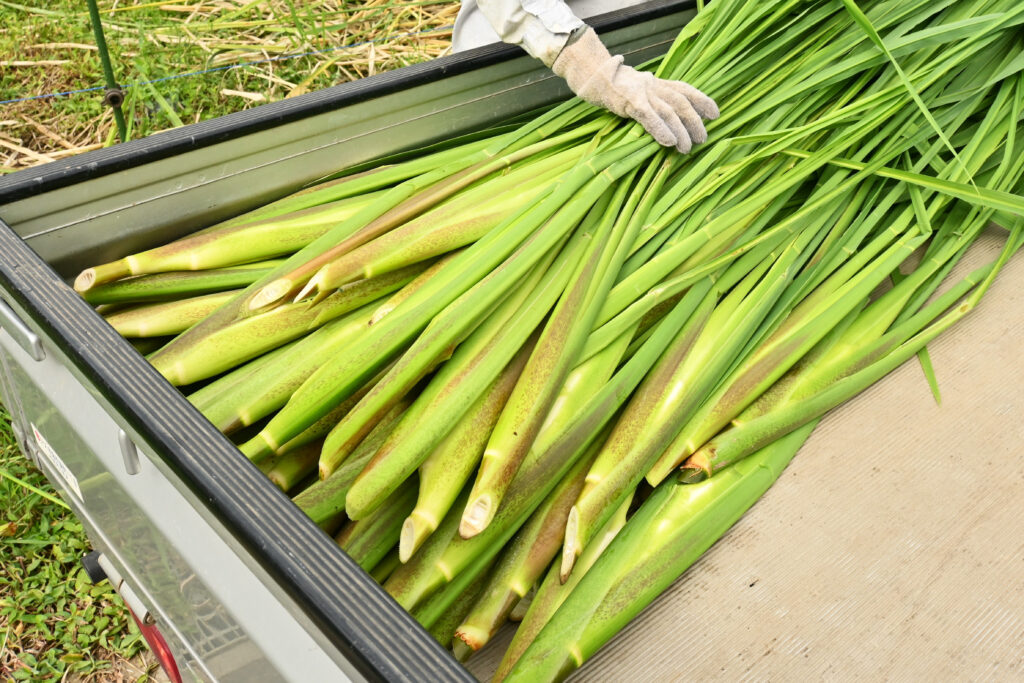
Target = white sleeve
(541,27)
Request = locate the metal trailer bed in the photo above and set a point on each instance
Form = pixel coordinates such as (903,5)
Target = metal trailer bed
(892,547)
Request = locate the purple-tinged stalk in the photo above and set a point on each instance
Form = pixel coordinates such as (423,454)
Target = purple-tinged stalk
(247,338)
(672,528)
(212,392)
(463,380)
(553,592)
(538,392)
(443,558)
(325,499)
(856,370)
(450,392)
(522,562)
(461,220)
(476,264)
(553,356)
(448,395)
(406,201)
(259,394)
(415,285)
(166,318)
(809,322)
(449,466)
(200,341)
(688,371)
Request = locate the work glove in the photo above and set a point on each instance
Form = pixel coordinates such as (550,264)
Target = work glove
(670,111)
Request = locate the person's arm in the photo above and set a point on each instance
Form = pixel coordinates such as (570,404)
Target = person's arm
(671,111)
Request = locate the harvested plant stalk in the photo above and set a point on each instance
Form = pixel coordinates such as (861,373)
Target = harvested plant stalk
(497,343)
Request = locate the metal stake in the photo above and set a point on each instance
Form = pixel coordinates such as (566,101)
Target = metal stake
(114,95)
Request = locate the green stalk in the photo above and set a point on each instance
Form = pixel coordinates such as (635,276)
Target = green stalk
(448,467)
(463,219)
(521,606)
(438,608)
(423,564)
(667,534)
(996,200)
(406,202)
(537,404)
(647,276)
(256,449)
(261,393)
(325,499)
(461,382)
(371,180)
(552,592)
(634,315)
(341,374)
(523,561)
(486,345)
(447,395)
(196,345)
(857,371)
(369,540)
(177,285)
(167,318)
(249,337)
(676,387)
(148,345)
(722,407)
(578,388)
(212,392)
(443,557)
(242,243)
(419,282)
(438,603)
(443,630)
(294,467)
(804,328)
(386,566)
(553,357)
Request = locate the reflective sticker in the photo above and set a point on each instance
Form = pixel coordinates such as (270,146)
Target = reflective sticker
(62,470)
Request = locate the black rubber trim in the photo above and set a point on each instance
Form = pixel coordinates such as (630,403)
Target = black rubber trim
(101,162)
(369,628)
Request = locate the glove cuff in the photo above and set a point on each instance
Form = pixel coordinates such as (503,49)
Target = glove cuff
(581,58)
(590,70)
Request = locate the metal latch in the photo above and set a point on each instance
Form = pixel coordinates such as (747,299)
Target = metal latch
(19,331)
(129,452)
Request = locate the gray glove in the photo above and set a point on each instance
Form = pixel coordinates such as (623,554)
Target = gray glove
(670,111)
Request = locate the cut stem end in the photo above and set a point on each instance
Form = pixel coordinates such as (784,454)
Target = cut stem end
(477,516)
(571,547)
(415,530)
(270,294)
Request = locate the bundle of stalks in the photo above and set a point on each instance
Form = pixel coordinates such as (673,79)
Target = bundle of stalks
(489,348)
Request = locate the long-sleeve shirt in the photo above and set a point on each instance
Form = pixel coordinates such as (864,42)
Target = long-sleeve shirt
(541,27)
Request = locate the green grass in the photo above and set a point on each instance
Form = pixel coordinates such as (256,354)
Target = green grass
(55,624)
(49,47)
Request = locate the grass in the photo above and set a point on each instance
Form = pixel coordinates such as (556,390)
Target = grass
(54,623)
(50,48)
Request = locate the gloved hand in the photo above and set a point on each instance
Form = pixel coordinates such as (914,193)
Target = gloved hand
(670,111)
